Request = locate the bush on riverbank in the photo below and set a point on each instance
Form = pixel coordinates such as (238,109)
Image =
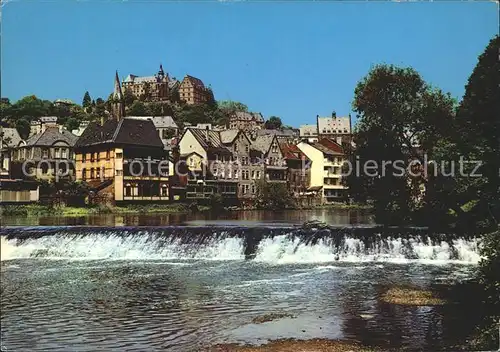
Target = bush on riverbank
(488,335)
(44,210)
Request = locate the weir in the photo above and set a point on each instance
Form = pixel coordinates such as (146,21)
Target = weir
(264,244)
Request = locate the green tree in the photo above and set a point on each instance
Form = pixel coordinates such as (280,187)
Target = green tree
(173,95)
(5,112)
(479,126)
(138,108)
(478,138)
(128,97)
(275,196)
(87,101)
(61,111)
(230,106)
(72,124)
(100,107)
(273,123)
(194,114)
(30,107)
(156,109)
(401,118)
(23,127)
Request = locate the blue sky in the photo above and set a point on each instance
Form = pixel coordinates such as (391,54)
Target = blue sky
(290,59)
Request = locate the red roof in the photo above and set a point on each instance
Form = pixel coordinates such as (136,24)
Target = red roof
(291,151)
(326,142)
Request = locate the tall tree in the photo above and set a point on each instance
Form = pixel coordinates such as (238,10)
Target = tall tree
(479,125)
(400,119)
(87,100)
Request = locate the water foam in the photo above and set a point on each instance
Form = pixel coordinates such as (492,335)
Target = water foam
(281,249)
(98,247)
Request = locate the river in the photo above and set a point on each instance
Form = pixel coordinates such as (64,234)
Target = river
(182,283)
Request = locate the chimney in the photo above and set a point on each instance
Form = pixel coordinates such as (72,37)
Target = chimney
(206,134)
(60,128)
(334,114)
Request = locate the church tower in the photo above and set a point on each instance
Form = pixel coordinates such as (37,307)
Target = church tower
(118,106)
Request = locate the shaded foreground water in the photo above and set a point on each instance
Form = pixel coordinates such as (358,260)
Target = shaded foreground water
(186,288)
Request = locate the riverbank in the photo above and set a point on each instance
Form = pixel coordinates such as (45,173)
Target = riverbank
(45,210)
(286,345)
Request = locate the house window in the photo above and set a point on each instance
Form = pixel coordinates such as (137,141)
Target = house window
(107,154)
(57,153)
(98,156)
(92,173)
(128,190)
(119,172)
(119,155)
(45,168)
(92,157)
(84,157)
(62,168)
(164,190)
(84,174)
(98,172)
(45,153)
(64,153)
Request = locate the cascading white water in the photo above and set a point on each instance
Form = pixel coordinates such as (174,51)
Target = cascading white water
(281,249)
(139,247)
(276,250)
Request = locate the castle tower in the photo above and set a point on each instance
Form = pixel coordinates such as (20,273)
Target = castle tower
(161,73)
(118,106)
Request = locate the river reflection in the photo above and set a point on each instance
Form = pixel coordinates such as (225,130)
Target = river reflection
(243,218)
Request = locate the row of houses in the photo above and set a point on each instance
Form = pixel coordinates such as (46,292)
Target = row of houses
(128,159)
